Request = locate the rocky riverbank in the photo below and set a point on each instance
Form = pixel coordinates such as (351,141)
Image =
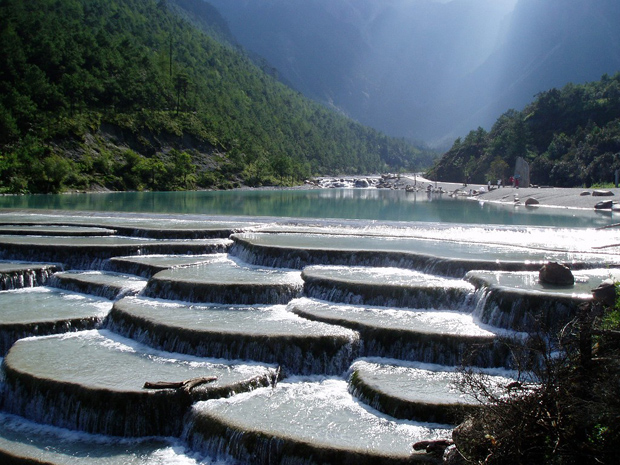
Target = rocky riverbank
(556,197)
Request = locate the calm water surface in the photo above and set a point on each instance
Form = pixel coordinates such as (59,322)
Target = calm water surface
(363,204)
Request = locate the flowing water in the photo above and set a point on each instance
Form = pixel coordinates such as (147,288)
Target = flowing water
(320,326)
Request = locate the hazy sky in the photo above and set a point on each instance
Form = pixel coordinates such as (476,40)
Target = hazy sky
(510,3)
(428,69)
(505,2)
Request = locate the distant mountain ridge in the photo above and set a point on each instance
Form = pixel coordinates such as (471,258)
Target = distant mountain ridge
(427,69)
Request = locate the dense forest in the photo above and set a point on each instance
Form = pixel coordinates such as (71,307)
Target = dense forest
(569,136)
(145,94)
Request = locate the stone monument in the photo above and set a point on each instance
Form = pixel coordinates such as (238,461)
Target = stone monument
(522,172)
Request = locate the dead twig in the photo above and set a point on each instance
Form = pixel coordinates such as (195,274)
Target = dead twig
(185,386)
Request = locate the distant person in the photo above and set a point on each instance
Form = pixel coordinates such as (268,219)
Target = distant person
(499,183)
(489,186)
(517,182)
(512,181)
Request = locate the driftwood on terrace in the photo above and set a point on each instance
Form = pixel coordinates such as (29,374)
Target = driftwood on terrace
(185,386)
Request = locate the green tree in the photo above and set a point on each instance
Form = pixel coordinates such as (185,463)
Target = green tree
(183,169)
(282,166)
(498,169)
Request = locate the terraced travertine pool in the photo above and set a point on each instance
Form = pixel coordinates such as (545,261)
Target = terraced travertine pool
(308,341)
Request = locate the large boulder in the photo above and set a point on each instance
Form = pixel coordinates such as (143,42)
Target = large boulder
(522,172)
(556,274)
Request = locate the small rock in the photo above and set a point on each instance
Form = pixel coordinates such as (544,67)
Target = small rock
(604,205)
(585,193)
(602,193)
(556,274)
(531,201)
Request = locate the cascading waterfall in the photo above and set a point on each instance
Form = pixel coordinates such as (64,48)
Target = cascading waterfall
(12,333)
(225,294)
(281,257)
(326,428)
(275,327)
(518,310)
(91,253)
(107,285)
(297,346)
(422,296)
(18,279)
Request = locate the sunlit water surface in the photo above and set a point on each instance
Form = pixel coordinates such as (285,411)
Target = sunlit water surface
(368,204)
(441,225)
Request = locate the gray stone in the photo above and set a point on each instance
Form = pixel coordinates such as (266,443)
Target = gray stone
(556,274)
(522,171)
(605,293)
(602,193)
(531,201)
(604,205)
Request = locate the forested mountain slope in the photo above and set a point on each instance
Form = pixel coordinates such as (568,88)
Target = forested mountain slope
(570,137)
(131,95)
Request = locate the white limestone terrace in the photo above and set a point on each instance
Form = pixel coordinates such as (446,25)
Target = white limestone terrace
(54,230)
(45,310)
(385,286)
(16,266)
(132,224)
(103,284)
(429,321)
(24,441)
(600,241)
(266,333)
(87,252)
(105,241)
(519,301)
(440,337)
(306,420)
(433,255)
(16,275)
(528,282)
(148,265)
(223,279)
(41,304)
(418,391)
(46,378)
(88,380)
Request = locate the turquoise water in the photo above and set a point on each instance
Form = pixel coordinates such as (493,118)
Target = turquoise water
(363,204)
